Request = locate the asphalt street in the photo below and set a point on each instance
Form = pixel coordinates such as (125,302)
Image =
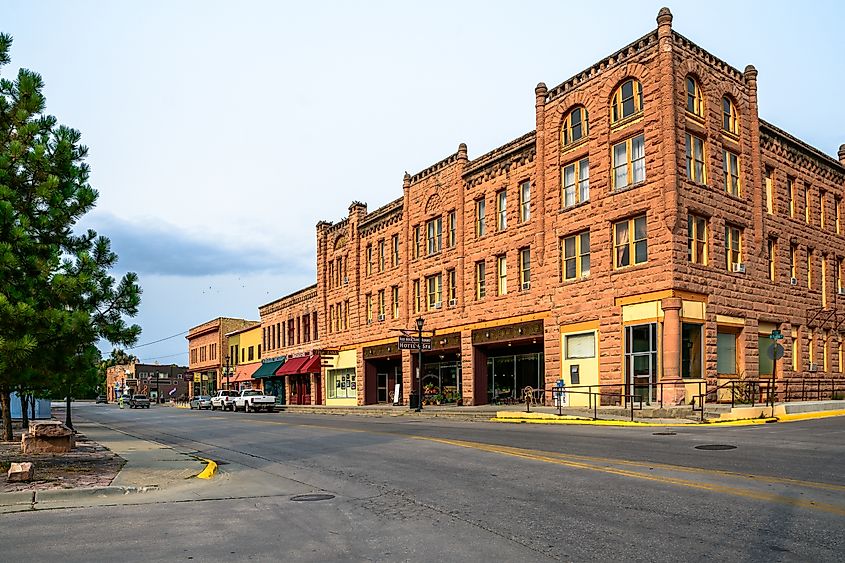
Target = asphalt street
(414,489)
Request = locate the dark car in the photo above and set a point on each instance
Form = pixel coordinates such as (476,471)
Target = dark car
(102,399)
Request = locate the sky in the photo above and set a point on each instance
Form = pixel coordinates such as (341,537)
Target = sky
(220,133)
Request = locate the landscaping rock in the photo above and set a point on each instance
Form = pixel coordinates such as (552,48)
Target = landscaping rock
(47,437)
(20,472)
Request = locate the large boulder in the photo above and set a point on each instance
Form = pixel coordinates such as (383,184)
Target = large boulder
(20,472)
(47,437)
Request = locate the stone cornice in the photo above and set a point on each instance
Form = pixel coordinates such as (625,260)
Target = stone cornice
(497,162)
(783,144)
(382,217)
(289,300)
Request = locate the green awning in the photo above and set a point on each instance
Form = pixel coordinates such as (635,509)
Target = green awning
(267,369)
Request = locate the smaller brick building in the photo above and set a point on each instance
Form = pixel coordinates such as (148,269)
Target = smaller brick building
(207,349)
(166,382)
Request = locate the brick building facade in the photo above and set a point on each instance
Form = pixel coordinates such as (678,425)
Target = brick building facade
(154,380)
(208,347)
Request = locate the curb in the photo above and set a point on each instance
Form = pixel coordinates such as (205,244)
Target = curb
(31,499)
(209,471)
(809,415)
(590,422)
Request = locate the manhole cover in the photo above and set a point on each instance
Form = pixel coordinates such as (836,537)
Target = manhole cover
(712,447)
(311,498)
(664,433)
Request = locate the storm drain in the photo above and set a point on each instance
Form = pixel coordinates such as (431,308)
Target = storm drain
(715,447)
(664,433)
(311,497)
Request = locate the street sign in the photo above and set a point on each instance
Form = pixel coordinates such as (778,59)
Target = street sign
(776,335)
(775,351)
(413,343)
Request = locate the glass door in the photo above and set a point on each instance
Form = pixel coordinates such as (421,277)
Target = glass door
(641,362)
(381,387)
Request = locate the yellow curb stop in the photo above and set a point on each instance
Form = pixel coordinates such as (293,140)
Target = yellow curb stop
(209,471)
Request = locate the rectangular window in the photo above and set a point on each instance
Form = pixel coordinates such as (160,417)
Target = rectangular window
(524,201)
(692,350)
(580,346)
(394,294)
(381,304)
(480,222)
(628,162)
(733,247)
(790,183)
(434,287)
(250,356)
(793,262)
(369,259)
(575,251)
(381,261)
(453,228)
(837,275)
(452,278)
(346,314)
(394,245)
(809,269)
(837,214)
(576,182)
(501,210)
(696,171)
(416,241)
(731,165)
(369,308)
(770,191)
(480,282)
(821,209)
(697,239)
(525,268)
(726,353)
(807,205)
(771,247)
(630,242)
(332,319)
(502,274)
(416,296)
(824,282)
(434,231)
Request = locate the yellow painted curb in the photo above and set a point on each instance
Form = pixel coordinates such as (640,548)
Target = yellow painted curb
(590,422)
(809,415)
(209,471)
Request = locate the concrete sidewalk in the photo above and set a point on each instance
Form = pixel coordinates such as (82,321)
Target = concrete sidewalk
(150,467)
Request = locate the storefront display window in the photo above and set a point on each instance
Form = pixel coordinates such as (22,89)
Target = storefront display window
(341,384)
(441,383)
(508,375)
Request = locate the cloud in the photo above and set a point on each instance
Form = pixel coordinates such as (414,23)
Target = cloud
(155,247)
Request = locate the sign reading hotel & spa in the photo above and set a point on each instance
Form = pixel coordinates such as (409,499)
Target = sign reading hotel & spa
(413,343)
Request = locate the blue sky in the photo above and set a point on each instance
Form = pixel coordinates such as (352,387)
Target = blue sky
(219,133)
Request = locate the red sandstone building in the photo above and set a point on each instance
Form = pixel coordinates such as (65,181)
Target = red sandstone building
(208,350)
(649,234)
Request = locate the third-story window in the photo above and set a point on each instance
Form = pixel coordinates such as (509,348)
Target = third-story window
(524,201)
(770,191)
(434,286)
(480,223)
(381,305)
(452,280)
(822,218)
(731,165)
(575,251)
(394,250)
(576,182)
(381,261)
(696,170)
(416,241)
(807,204)
(837,214)
(575,126)
(502,274)
(525,268)
(480,281)
(630,242)
(793,264)
(369,259)
(627,100)
(434,230)
(730,118)
(501,210)
(416,296)
(733,247)
(629,162)
(394,294)
(771,248)
(697,239)
(809,269)
(369,308)
(790,188)
(453,228)
(695,103)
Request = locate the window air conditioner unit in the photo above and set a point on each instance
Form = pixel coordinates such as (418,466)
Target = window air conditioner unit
(793,281)
(526,285)
(438,305)
(739,268)
(813,367)
(453,302)
(841,291)
(345,280)
(381,318)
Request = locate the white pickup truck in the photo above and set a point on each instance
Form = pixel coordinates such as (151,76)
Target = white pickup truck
(253,400)
(224,400)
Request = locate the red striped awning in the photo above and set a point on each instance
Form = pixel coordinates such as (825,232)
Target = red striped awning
(301,365)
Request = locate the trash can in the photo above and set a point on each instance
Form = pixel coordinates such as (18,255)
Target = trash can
(414,400)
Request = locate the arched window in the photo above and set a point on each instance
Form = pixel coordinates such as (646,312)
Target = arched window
(575,126)
(627,100)
(730,118)
(695,103)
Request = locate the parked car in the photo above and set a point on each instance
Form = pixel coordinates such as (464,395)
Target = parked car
(224,400)
(200,402)
(102,399)
(139,402)
(253,400)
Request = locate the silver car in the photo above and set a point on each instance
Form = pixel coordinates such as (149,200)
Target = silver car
(200,402)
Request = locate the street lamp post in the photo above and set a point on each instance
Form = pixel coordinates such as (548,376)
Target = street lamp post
(420,322)
(228,370)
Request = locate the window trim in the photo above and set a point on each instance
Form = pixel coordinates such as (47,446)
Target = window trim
(733,234)
(731,173)
(501,210)
(631,243)
(480,280)
(730,114)
(566,139)
(629,162)
(696,238)
(577,170)
(695,96)
(693,151)
(617,104)
(578,257)
(502,274)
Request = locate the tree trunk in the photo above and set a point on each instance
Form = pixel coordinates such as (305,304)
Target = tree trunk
(24,409)
(68,421)
(32,404)
(5,406)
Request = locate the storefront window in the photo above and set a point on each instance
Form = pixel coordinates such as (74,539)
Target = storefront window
(765,344)
(726,353)
(692,351)
(341,384)
(441,382)
(508,375)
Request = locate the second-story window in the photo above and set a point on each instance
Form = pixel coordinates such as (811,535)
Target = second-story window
(502,274)
(629,162)
(369,308)
(793,264)
(575,252)
(525,268)
(524,201)
(809,268)
(630,242)
(381,305)
(434,286)
(771,248)
(480,279)
(576,182)
(434,230)
(696,170)
(453,228)
(416,296)
(697,239)
(394,293)
(627,100)
(731,164)
(480,221)
(501,210)
(733,247)
(452,280)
